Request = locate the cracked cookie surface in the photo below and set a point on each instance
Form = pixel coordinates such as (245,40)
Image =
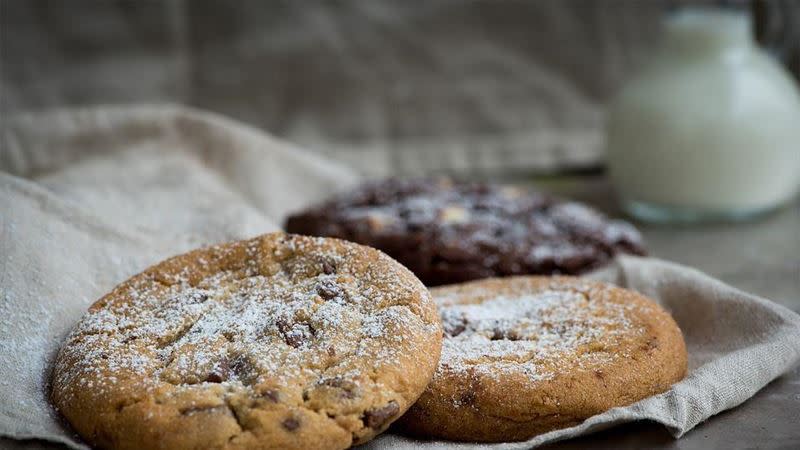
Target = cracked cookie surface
(281,341)
(527,355)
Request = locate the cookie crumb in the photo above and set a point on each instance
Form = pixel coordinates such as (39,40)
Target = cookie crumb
(291,424)
(376,418)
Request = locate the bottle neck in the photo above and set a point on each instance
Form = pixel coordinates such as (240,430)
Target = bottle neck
(697,31)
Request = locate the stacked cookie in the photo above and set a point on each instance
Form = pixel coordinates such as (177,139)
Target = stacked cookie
(288,341)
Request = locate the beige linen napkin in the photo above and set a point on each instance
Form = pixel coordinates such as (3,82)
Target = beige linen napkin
(91,197)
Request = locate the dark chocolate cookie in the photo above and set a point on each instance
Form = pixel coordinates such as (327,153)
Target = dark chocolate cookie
(449,232)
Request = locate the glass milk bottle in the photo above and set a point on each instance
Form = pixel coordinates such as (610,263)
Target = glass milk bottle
(709,130)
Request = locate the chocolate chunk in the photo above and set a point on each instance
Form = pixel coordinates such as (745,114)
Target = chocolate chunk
(498,334)
(221,372)
(295,340)
(298,334)
(328,289)
(291,423)
(503,331)
(513,335)
(454,329)
(453,323)
(328,267)
(347,387)
(283,326)
(294,334)
(242,368)
(377,418)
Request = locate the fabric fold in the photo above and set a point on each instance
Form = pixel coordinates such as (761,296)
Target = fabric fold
(88,198)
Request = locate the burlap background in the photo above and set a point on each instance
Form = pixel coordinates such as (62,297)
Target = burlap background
(381,85)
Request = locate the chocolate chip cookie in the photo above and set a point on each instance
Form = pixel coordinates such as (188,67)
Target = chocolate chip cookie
(527,355)
(281,341)
(449,232)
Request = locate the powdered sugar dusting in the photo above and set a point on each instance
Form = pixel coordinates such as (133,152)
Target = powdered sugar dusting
(537,335)
(307,319)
